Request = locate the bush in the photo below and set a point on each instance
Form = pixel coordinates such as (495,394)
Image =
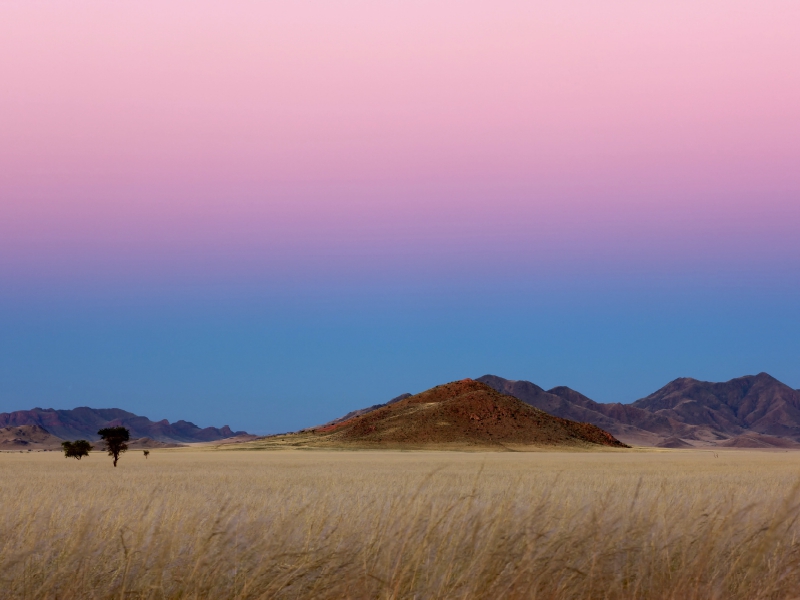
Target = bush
(77,449)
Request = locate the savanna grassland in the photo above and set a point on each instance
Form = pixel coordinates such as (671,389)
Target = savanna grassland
(382,524)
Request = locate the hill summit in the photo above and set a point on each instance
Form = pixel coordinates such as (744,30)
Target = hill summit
(463,413)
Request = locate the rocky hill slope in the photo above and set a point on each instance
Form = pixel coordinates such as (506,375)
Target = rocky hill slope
(27,437)
(635,426)
(461,414)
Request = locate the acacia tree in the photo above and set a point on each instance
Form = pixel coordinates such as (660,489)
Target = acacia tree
(114,439)
(76,449)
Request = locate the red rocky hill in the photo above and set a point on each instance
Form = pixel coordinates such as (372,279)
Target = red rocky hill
(462,413)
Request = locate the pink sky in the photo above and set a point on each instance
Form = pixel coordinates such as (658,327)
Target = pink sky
(275,132)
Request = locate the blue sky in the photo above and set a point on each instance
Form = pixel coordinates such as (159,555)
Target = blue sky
(269,362)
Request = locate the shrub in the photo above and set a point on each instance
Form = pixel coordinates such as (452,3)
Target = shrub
(77,449)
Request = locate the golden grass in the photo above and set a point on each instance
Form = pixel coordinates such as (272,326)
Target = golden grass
(325,524)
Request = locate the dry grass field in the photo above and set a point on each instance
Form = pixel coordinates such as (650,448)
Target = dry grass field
(327,524)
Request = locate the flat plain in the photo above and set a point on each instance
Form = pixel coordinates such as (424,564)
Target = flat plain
(204,523)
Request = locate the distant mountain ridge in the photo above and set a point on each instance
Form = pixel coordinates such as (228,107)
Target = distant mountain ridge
(634,425)
(758,407)
(758,403)
(84,423)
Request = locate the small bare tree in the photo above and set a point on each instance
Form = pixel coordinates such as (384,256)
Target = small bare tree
(77,449)
(114,439)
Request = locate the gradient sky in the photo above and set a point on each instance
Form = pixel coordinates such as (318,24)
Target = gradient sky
(269,213)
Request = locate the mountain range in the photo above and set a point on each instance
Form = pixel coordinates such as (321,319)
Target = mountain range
(754,411)
(84,423)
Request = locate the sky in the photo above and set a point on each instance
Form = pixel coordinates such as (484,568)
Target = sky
(267,214)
